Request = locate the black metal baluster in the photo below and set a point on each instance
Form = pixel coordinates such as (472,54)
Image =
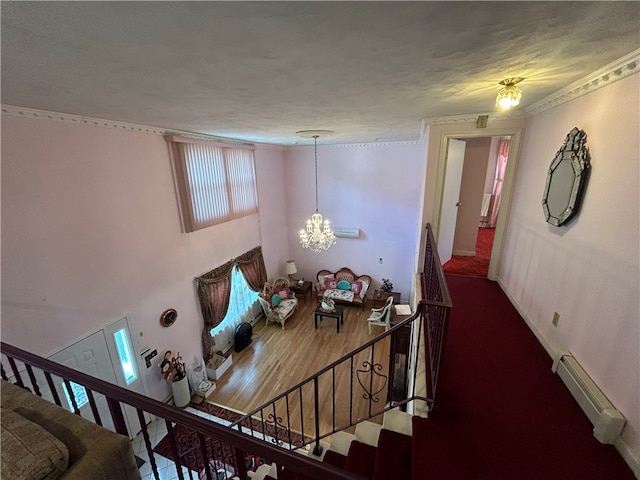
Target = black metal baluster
(3,373)
(34,382)
(316,403)
(351,391)
(333,399)
(205,455)
(15,371)
(72,397)
(371,378)
(241,468)
(147,443)
(174,449)
(94,407)
(301,414)
(117,416)
(286,398)
(52,387)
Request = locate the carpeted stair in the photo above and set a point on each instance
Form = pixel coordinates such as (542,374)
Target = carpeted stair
(374,451)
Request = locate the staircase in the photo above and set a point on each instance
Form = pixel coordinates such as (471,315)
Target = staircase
(374,451)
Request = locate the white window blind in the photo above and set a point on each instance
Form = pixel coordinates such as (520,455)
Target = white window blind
(216,183)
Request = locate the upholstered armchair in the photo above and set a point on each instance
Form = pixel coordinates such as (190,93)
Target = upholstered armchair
(381,316)
(277,301)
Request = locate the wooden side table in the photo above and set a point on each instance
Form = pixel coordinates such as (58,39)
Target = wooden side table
(380,297)
(301,289)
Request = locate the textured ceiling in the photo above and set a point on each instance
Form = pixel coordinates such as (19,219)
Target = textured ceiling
(260,71)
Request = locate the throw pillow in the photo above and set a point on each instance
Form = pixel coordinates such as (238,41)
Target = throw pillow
(276,299)
(331,283)
(356,287)
(29,452)
(344,285)
(284,293)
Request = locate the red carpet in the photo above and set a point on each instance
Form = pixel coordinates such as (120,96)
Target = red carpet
(501,414)
(477,266)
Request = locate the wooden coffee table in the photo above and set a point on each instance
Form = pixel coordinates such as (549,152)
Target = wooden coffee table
(338,315)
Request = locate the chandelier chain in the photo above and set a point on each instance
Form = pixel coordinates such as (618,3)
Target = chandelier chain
(315,149)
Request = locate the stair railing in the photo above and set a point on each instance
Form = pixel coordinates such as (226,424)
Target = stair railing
(222,449)
(376,395)
(372,374)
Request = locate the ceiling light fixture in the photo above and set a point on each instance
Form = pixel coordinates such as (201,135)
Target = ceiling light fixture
(509,96)
(317,234)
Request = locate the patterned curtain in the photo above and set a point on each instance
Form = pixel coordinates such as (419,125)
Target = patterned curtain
(214,291)
(251,264)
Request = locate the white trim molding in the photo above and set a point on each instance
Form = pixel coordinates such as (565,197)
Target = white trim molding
(617,70)
(97,122)
(79,119)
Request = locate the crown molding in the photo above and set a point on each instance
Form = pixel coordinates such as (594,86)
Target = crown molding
(98,122)
(358,145)
(471,118)
(617,70)
(80,120)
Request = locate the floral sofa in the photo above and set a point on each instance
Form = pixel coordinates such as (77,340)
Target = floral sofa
(277,301)
(343,286)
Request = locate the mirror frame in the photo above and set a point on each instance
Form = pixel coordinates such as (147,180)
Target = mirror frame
(574,151)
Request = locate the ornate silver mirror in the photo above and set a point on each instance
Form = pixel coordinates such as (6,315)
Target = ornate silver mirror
(566,179)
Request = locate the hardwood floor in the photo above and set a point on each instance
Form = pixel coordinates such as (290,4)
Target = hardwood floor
(279,359)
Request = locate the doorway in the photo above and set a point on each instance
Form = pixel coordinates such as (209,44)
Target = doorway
(500,214)
(108,355)
(475,200)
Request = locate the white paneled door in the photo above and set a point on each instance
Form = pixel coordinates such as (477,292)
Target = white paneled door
(107,355)
(450,198)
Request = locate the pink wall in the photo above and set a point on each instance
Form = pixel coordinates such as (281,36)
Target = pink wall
(587,271)
(376,188)
(91,233)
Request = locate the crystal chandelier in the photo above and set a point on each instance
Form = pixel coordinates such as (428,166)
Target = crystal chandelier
(509,96)
(317,234)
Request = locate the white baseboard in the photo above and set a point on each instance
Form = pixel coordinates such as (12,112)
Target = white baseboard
(625,451)
(464,253)
(629,456)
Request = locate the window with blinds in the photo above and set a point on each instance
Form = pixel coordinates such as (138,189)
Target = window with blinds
(216,182)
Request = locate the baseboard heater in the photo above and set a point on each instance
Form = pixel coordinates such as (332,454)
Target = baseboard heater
(607,421)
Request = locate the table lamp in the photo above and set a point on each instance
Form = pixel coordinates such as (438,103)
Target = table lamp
(291,269)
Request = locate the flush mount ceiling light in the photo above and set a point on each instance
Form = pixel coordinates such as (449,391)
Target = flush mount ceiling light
(317,234)
(509,95)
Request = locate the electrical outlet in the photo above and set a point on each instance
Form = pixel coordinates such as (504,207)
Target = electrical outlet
(556,319)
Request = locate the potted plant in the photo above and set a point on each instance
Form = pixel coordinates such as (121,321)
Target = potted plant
(387,286)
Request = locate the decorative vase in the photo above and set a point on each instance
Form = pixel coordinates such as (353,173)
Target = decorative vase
(181,392)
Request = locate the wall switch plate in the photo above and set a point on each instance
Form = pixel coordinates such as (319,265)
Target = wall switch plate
(149,356)
(556,319)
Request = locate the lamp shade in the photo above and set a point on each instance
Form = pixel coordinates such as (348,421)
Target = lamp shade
(291,267)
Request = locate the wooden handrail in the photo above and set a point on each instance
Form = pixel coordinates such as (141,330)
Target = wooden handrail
(431,318)
(170,413)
